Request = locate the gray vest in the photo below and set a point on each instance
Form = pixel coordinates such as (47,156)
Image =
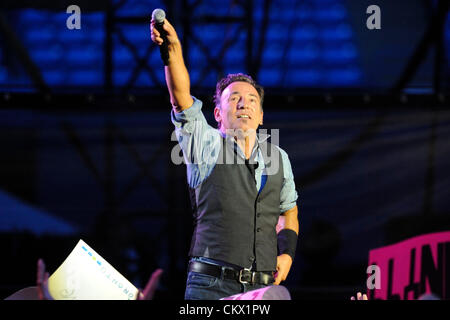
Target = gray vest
(232,222)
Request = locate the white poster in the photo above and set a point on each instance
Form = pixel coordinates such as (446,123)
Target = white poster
(85,275)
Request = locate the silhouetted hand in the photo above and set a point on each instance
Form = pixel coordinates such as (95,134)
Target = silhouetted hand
(151,286)
(42,281)
(359,296)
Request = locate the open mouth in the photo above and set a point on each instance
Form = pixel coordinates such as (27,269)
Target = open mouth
(243,116)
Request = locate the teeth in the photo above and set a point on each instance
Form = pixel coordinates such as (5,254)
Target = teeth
(243,116)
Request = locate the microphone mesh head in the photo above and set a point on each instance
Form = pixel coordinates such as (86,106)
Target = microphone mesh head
(158,15)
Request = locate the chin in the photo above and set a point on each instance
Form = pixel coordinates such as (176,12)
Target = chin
(247,129)
(244,127)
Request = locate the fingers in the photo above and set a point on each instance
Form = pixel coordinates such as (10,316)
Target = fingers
(359,296)
(279,277)
(155,34)
(276,275)
(40,271)
(151,286)
(362,297)
(277,280)
(170,30)
(41,280)
(284,263)
(168,27)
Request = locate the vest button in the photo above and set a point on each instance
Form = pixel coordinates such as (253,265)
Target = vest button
(258,215)
(258,230)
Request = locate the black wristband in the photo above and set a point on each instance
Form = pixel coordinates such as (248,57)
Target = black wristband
(287,242)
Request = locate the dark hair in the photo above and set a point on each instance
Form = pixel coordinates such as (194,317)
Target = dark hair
(235,77)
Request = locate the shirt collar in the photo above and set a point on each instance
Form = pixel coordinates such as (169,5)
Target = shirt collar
(260,138)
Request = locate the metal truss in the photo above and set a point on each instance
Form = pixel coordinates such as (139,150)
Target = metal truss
(19,50)
(243,21)
(113,24)
(433,36)
(185,24)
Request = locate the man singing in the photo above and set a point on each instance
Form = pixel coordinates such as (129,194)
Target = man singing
(237,199)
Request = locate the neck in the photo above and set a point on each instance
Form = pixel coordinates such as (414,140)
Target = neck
(244,139)
(246,145)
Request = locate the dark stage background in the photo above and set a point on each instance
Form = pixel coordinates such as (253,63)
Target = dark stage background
(85,131)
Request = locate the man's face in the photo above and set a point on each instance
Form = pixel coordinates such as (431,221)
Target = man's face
(240,108)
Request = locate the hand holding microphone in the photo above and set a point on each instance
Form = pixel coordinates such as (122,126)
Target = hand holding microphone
(163,34)
(175,71)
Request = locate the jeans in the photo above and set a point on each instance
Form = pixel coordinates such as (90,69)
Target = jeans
(205,287)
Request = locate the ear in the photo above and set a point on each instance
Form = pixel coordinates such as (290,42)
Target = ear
(262,117)
(217,114)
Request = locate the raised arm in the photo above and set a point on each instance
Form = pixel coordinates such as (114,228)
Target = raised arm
(177,76)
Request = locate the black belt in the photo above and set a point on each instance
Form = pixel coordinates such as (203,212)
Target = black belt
(243,276)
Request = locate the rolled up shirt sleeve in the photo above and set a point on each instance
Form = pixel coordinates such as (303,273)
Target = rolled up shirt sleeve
(288,194)
(198,141)
(189,115)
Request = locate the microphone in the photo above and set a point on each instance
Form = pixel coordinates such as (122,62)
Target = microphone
(158,15)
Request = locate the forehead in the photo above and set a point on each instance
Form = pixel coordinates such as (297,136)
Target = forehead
(240,87)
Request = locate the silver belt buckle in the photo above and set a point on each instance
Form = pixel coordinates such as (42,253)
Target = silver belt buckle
(243,281)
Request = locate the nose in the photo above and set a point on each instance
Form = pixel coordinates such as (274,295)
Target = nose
(241,103)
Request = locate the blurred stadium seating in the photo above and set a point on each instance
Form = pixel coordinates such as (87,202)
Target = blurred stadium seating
(311,45)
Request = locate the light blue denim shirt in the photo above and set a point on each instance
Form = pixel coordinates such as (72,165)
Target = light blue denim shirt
(201,144)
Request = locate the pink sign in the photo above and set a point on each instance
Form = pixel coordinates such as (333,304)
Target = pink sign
(413,267)
(272,292)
